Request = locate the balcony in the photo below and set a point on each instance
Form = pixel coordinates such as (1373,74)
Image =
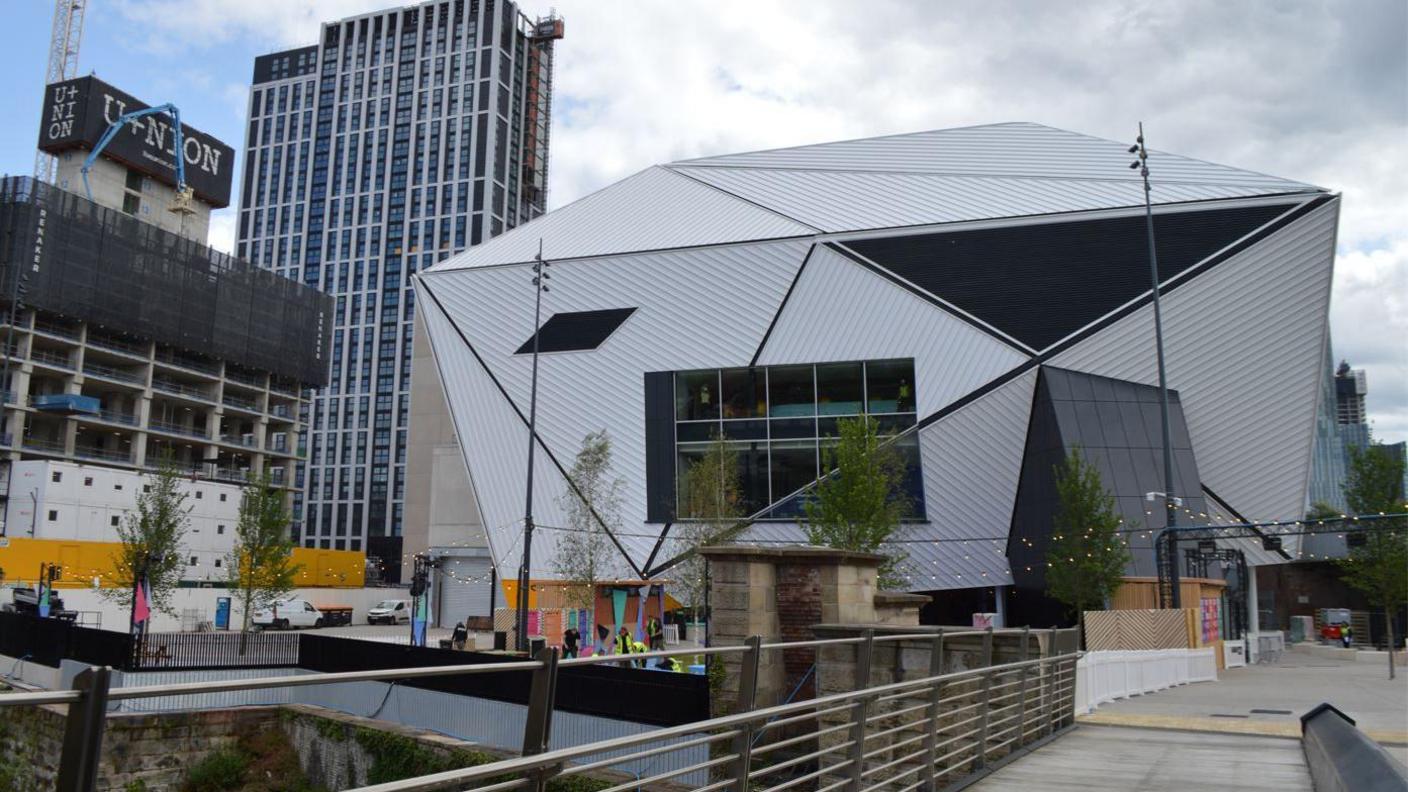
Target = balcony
(113,416)
(168,385)
(244,378)
(282,411)
(110,373)
(246,441)
(172,427)
(120,346)
(44,446)
(240,403)
(103,455)
(55,329)
(65,404)
(190,364)
(52,359)
(230,474)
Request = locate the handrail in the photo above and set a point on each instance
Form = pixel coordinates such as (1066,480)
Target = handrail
(521,665)
(562,755)
(861,718)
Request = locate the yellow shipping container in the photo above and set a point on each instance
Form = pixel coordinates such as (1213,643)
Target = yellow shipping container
(81,562)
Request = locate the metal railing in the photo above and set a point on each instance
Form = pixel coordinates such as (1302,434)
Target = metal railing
(118,345)
(56,329)
(172,386)
(240,403)
(174,428)
(103,454)
(46,446)
(933,731)
(114,416)
(204,367)
(97,369)
(57,359)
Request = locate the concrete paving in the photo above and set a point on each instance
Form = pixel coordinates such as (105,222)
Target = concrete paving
(1270,698)
(1119,759)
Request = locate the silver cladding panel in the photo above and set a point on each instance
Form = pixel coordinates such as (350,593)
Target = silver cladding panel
(652,210)
(889,200)
(701,308)
(1244,342)
(972,463)
(1012,149)
(840,311)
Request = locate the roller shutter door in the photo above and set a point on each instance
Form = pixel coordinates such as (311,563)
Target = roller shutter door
(464,589)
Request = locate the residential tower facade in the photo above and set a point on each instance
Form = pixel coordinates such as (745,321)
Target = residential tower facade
(400,138)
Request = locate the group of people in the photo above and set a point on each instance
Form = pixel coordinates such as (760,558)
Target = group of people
(625,644)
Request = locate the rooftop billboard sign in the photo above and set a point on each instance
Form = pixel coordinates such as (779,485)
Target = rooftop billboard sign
(77,112)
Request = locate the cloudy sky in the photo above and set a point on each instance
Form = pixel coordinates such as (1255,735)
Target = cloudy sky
(1313,91)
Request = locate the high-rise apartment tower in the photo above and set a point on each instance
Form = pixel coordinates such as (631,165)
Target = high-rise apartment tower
(403,136)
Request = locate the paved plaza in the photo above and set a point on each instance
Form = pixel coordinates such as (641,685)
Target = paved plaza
(1241,732)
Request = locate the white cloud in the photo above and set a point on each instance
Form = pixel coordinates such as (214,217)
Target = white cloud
(1316,92)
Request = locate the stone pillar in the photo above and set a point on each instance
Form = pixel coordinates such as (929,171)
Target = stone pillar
(781,594)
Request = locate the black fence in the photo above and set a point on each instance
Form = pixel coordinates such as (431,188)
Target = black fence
(643,696)
(193,651)
(50,641)
(108,268)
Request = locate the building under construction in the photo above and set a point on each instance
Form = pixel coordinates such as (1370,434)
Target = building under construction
(128,341)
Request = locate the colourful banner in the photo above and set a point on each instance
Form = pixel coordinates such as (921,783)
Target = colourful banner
(618,610)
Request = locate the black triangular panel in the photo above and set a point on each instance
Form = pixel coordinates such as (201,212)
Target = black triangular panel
(1040,283)
(1117,426)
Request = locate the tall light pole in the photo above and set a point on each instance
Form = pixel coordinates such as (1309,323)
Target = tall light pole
(1170,503)
(540,278)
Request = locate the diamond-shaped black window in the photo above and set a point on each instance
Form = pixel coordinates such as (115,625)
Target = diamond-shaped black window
(576,331)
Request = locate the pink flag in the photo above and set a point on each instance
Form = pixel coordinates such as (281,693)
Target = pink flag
(141,611)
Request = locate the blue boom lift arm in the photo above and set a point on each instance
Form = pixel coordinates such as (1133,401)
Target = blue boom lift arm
(177,139)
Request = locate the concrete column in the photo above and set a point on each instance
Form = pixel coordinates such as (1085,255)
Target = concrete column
(1000,605)
(1253,605)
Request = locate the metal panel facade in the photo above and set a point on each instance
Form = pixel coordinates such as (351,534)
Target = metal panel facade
(1013,149)
(652,210)
(890,200)
(840,311)
(1244,347)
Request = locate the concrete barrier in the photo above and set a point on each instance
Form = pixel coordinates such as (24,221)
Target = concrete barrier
(1343,759)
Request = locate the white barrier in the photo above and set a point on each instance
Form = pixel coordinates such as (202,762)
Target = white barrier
(1102,677)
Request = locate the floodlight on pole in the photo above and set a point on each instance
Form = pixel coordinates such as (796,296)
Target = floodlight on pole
(1170,502)
(540,279)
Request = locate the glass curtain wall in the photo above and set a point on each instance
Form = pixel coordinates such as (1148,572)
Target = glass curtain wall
(779,420)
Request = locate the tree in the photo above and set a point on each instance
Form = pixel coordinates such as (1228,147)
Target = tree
(711,512)
(584,553)
(260,565)
(860,505)
(1320,510)
(1087,557)
(152,536)
(1379,566)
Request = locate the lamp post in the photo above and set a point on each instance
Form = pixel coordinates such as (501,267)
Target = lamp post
(1170,502)
(540,278)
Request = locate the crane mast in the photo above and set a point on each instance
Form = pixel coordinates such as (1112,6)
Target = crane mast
(64,39)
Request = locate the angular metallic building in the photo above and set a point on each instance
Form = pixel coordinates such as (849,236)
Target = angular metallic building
(984,291)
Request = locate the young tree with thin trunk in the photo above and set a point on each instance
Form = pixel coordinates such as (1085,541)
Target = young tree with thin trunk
(152,536)
(1086,559)
(261,567)
(860,505)
(584,554)
(1379,566)
(711,512)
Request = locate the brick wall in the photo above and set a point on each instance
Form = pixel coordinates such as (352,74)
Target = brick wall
(798,611)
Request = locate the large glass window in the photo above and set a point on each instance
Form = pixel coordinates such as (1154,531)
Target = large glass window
(696,395)
(780,420)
